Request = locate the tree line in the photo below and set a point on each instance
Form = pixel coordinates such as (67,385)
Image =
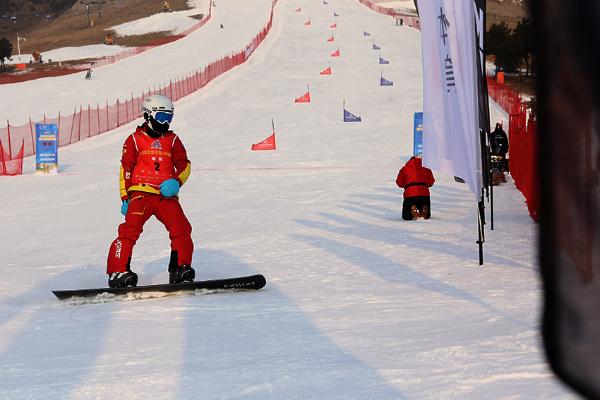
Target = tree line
(512,48)
(5,51)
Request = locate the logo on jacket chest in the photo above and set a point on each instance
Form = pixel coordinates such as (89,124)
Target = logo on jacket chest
(156,145)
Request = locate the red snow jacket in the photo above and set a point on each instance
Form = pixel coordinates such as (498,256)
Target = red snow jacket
(414,178)
(146,162)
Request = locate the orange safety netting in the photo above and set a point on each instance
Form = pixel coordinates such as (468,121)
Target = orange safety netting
(11,165)
(523,152)
(90,120)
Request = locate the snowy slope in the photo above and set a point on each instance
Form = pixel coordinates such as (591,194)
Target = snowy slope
(175,22)
(241,21)
(359,304)
(72,53)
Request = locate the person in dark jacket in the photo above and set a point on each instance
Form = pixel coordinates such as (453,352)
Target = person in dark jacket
(498,150)
(499,141)
(416,180)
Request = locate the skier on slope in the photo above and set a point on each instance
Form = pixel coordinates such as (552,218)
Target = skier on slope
(154,165)
(416,180)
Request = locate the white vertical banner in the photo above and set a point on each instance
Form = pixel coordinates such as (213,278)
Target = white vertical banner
(450,99)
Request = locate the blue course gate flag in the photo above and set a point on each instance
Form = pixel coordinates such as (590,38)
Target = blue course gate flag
(385,82)
(349,117)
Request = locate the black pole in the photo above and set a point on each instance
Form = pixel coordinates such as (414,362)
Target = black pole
(481,234)
(492,205)
(481,206)
(488,180)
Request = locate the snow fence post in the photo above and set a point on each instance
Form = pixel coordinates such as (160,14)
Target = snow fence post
(9,144)
(72,125)
(79,126)
(31,132)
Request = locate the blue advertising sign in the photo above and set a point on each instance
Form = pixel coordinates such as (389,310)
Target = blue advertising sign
(46,155)
(418,135)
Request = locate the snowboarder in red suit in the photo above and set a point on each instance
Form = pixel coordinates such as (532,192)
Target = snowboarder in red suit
(154,165)
(416,180)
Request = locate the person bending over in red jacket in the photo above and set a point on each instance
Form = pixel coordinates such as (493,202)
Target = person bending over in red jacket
(416,180)
(154,165)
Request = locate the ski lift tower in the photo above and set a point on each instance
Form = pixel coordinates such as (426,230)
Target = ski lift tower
(19,39)
(89,3)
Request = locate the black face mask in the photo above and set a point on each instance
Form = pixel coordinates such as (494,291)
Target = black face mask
(156,128)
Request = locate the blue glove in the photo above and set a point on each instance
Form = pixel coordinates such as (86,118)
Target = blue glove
(124,207)
(169,188)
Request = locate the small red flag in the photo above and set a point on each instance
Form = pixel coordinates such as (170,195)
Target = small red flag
(307,23)
(331,39)
(267,144)
(334,25)
(326,71)
(305,98)
(336,53)
(298,9)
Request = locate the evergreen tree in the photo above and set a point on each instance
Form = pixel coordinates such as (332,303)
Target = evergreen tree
(523,34)
(501,42)
(5,50)
(495,36)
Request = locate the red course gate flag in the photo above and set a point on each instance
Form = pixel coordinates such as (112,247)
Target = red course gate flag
(305,98)
(326,71)
(268,143)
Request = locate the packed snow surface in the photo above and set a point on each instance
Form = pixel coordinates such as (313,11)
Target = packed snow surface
(359,304)
(241,22)
(174,22)
(72,53)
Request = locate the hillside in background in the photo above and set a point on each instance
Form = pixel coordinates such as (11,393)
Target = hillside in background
(20,15)
(19,7)
(509,11)
(51,24)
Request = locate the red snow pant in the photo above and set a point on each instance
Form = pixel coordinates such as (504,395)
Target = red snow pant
(141,207)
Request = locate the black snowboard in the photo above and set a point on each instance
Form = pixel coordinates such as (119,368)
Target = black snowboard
(252,282)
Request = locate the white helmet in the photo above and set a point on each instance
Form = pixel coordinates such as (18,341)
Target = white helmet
(158,111)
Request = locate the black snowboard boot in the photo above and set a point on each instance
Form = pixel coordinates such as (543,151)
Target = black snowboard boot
(183,273)
(122,279)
